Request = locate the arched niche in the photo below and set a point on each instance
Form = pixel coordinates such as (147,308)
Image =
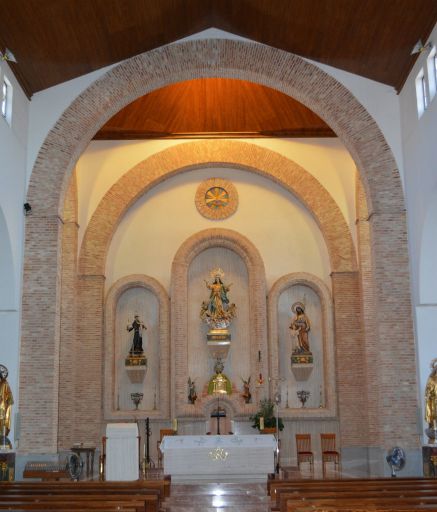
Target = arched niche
(145,296)
(301,286)
(200,363)
(220,242)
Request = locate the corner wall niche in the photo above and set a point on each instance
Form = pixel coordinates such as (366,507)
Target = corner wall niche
(145,297)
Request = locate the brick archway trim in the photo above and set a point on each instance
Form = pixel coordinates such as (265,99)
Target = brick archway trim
(261,64)
(184,157)
(144,73)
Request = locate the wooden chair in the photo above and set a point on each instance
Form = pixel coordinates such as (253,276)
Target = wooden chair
(329,452)
(163,432)
(303,449)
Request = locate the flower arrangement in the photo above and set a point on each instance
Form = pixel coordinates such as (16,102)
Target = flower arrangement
(267,412)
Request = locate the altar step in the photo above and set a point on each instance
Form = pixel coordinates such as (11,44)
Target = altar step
(223,497)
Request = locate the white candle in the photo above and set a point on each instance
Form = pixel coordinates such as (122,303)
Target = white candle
(175,424)
(261,423)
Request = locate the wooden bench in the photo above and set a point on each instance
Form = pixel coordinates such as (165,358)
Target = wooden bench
(308,492)
(287,500)
(140,503)
(363,505)
(138,495)
(159,485)
(350,484)
(306,484)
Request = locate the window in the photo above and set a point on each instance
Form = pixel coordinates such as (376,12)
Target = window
(431,66)
(6,100)
(421,93)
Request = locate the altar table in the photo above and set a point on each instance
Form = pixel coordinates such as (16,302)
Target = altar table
(219,458)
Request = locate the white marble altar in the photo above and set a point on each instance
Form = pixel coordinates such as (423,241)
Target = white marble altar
(122,452)
(219,458)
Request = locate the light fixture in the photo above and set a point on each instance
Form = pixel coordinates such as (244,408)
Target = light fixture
(27,208)
(419,47)
(7,55)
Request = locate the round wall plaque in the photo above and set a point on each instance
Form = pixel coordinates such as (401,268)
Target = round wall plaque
(216,199)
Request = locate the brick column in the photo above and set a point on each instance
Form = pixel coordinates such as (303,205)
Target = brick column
(394,332)
(87,423)
(68,318)
(39,352)
(351,371)
(370,313)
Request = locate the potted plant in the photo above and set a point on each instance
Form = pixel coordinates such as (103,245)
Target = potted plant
(266,411)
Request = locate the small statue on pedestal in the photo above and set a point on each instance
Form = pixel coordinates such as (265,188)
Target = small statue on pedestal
(136,355)
(137,343)
(431,402)
(299,329)
(246,394)
(192,393)
(6,402)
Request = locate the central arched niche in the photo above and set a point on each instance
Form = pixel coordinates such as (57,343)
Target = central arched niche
(244,264)
(200,363)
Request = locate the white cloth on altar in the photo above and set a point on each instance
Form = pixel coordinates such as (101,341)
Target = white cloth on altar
(242,457)
(121,452)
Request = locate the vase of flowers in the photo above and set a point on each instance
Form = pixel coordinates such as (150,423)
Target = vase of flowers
(266,411)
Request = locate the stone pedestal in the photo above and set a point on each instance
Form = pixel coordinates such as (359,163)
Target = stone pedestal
(429,457)
(218,349)
(136,368)
(301,371)
(7,466)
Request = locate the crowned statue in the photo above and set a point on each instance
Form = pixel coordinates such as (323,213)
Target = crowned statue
(217,312)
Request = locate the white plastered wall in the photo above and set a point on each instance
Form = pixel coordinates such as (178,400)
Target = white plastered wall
(13,148)
(420,176)
(152,231)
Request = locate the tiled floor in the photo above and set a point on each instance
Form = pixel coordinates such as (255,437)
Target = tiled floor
(223,497)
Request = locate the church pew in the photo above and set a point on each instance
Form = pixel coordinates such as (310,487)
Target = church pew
(363,505)
(359,492)
(141,503)
(350,485)
(305,484)
(290,502)
(63,506)
(163,486)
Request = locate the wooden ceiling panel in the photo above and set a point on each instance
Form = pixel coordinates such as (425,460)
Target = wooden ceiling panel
(57,40)
(214,107)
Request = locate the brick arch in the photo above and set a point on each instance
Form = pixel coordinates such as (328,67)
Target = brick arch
(184,157)
(144,73)
(193,246)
